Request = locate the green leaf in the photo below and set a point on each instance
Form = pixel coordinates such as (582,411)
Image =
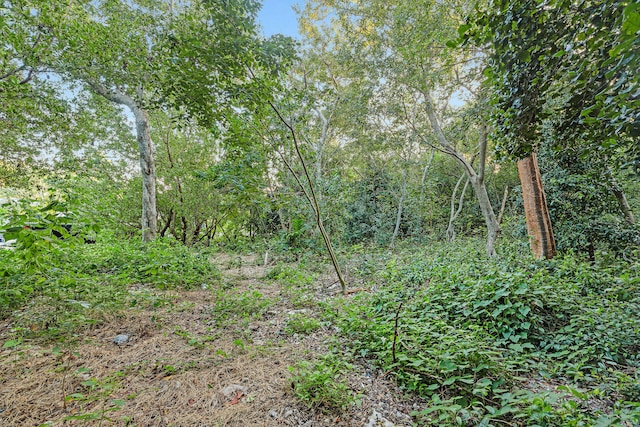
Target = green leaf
(524,310)
(447,365)
(11,344)
(449,381)
(631,23)
(462,29)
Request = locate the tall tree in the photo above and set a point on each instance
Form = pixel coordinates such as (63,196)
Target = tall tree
(117,65)
(146,54)
(571,65)
(402,45)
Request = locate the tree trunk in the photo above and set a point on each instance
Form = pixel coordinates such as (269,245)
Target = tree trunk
(493,228)
(503,205)
(476,179)
(167,224)
(147,163)
(625,208)
(311,197)
(426,169)
(451,232)
(319,148)
(543,244)
(148,168)
(403,195)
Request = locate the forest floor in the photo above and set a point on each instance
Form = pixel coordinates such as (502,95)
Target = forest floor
(216,356)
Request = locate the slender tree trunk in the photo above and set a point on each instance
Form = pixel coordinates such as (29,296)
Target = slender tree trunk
(196,232)
(426,169)
(147,162)
(624,204)
(319,148)
(167,224)
(476,179)
(625,208)
(183,219)
(493,228)
(451,232)
(172,228)
(504,204)
(403,195)
(148,168)
(311,197)
(543,244)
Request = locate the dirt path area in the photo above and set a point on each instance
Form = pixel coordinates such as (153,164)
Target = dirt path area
(218,356)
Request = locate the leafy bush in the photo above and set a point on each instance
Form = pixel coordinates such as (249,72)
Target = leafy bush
(322,384)
(162,263)
(301,323)
(460,329)
(72,285)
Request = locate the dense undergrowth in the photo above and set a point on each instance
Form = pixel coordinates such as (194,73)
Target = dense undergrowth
(510,341)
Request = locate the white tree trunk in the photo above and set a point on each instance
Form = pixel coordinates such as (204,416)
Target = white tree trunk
(148,168)
(504,204)
(147,163)
(493,228)
(319,148)
(403,195)
(451,231)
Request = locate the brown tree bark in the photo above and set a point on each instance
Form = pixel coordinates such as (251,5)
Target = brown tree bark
(543,244)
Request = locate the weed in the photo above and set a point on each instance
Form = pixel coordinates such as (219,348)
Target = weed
(288,275)
(322,384)
(70,287)
(301,323)
(96,391)
(249,304)
(461,332)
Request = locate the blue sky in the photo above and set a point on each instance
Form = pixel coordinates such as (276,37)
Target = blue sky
(277,16)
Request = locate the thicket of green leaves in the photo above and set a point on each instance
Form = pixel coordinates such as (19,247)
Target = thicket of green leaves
(511,340)
(55,280)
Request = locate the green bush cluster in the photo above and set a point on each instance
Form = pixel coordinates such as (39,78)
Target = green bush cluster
(72,282)
(322,383)
(469,333)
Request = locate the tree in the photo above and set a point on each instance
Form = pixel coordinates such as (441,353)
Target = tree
(190,56)
(571,65)
(113,64)
(402,45)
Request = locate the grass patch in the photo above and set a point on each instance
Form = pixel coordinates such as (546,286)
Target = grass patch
(301,323)
(54,290)
(247,305)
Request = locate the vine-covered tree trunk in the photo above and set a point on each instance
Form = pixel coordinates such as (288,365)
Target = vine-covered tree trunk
(543,244)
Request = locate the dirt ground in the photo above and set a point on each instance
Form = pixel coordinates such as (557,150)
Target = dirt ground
(179,367)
